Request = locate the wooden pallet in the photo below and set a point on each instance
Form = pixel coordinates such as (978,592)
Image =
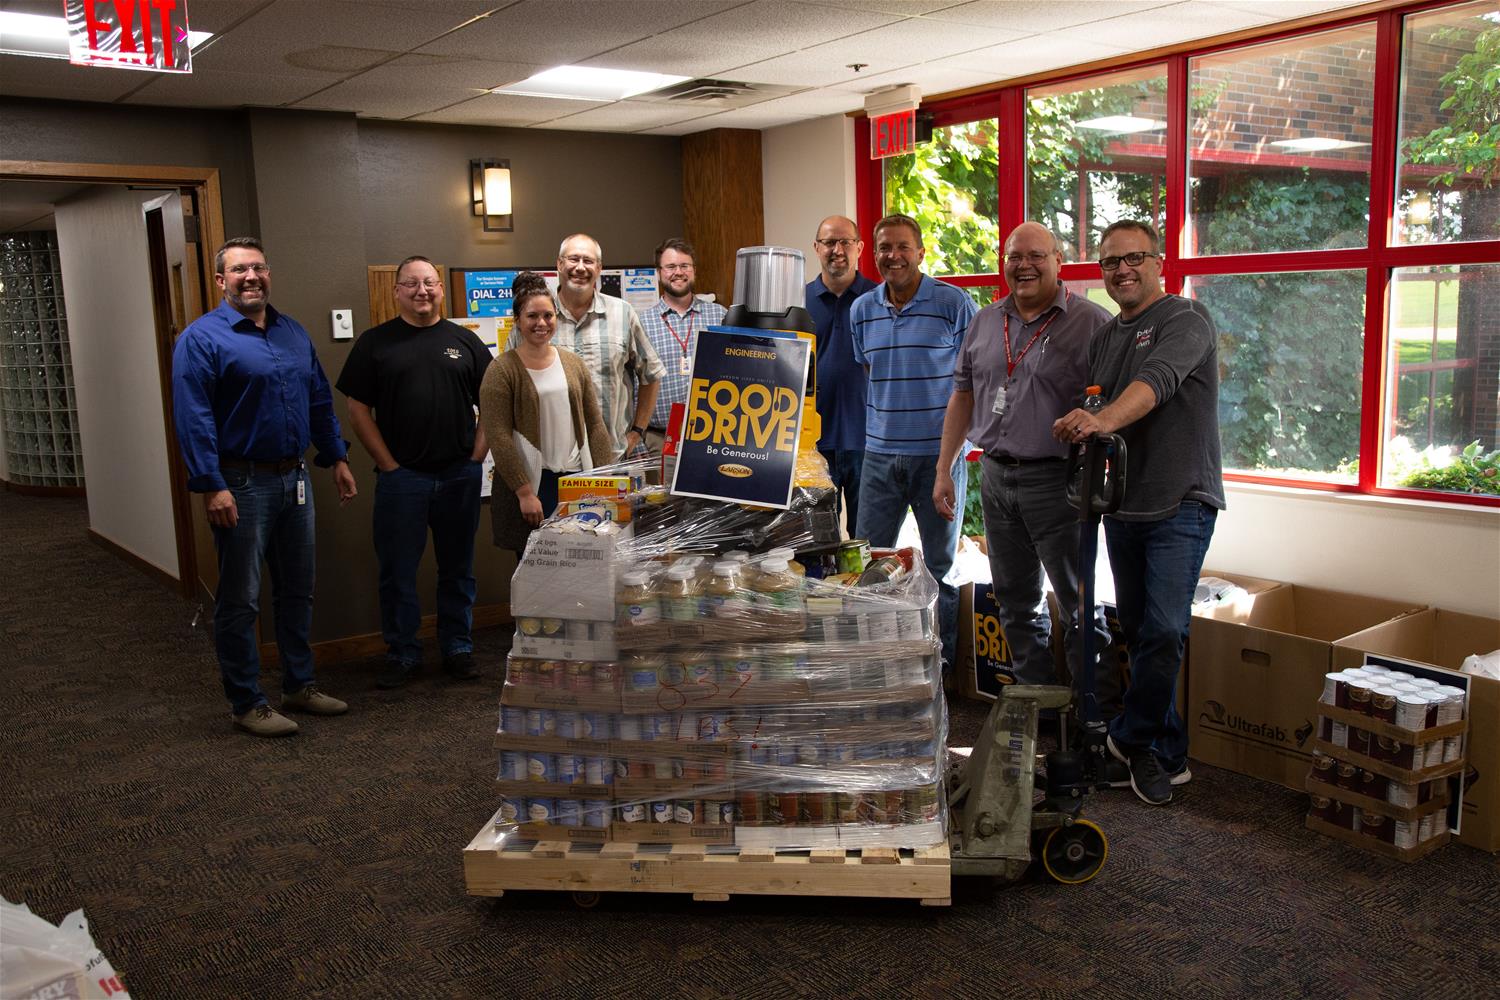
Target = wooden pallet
(494,864)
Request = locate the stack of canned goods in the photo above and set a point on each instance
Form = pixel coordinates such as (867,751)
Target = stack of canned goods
(1400,699)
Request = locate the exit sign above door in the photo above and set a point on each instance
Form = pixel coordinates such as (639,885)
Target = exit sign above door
(893,134)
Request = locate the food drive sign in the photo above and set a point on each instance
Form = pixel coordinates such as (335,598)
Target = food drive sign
(130,34)
(744,417)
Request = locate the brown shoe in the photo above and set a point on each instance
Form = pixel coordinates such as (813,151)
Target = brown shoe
(263,720)
(311,700)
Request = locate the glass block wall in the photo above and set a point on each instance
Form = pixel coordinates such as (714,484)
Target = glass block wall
(36,370)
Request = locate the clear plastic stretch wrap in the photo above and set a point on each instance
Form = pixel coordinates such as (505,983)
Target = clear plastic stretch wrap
(676,676)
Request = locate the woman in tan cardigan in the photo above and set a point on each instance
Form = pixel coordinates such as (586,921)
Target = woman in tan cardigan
(541,416)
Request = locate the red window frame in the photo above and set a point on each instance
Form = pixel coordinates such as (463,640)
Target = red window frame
(1379,258)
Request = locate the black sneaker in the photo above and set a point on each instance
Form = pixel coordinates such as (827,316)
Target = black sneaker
(1150,782)
(460,666)
(395,675)
(1182,777)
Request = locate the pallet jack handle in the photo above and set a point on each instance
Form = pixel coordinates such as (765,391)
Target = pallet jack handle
(1096,486)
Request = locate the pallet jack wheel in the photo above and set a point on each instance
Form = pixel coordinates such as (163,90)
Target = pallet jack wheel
(1074,854)
(586,900)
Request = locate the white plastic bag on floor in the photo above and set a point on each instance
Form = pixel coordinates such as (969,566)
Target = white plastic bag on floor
(38,960)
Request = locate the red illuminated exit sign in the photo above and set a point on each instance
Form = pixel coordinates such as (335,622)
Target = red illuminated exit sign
(129,34)
(893,134)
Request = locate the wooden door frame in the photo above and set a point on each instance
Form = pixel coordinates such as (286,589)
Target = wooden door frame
(205,182)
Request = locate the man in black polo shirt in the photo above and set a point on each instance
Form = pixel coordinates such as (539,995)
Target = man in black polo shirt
(413,384)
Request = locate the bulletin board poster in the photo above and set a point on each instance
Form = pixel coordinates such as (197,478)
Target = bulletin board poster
(488,293)
(744,418)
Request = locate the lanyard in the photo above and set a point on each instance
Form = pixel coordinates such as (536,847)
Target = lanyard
(1011,363)
(682,342)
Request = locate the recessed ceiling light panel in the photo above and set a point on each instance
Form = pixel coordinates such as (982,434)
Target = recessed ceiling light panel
(1316,144)
(1123,124)
(589,83)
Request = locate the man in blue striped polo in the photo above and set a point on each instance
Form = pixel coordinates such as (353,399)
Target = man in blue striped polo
(907,332)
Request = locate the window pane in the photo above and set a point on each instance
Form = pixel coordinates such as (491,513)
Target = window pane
(1290,359)
(1096,153)
(1450,126)
(1279,144)
(1443,428)
(951,186)
(1093,290)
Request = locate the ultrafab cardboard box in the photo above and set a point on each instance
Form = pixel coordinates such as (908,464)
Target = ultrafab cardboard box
(1257,670)
(1443,639)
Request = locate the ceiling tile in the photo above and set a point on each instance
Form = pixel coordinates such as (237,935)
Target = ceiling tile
(624,116)
(507,109)
(907,8)
(1032,55)
(413,84)
(930,78)
(1286,10)
(25,76)
(325,37)
(562,32)
(226,89)
(1039,15)
(881,49)
(717,45)
(1164,25)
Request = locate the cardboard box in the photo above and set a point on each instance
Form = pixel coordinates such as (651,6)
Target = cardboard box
(1256,669)
(1443,639)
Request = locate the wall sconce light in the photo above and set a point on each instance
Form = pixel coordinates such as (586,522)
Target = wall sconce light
(489,182)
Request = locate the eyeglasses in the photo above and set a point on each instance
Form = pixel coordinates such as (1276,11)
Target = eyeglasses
(1132,259)
(248,268)
(831,245)
(1034,258)
(676,268)
(412,284)
(578,261)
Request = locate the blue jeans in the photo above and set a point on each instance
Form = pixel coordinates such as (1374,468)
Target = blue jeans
(272,526)
(1028,528)
(888,485)
(407,504)
(1156,566)
(843,468)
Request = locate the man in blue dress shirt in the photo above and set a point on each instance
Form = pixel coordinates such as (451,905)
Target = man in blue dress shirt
(248,396)
(842,382)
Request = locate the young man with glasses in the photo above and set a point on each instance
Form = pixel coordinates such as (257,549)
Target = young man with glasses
(605,331)
(413,386)
(673,325)
(842,384)
(248,396)
(907,333)
(1024,364)
(1158,364)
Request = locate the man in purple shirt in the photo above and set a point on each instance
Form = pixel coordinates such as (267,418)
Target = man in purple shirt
(1024,364)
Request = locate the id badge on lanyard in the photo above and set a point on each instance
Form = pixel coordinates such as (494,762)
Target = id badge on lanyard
(301,489)
(998,408)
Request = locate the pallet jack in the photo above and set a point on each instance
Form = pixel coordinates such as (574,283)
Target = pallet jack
(999,823)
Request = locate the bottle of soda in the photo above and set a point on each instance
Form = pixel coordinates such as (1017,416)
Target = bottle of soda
(1093,399)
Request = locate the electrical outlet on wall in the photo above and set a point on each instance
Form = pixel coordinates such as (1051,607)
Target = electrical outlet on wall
(343,324)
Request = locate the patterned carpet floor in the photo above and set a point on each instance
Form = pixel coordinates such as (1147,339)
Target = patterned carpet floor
(211,864)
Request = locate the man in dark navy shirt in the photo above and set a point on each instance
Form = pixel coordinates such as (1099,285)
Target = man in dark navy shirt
(248,396)
(842,382)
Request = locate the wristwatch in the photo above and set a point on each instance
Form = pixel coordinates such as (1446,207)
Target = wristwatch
(640,431)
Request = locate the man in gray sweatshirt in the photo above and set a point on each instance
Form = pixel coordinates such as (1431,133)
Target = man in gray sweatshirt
(1158,364)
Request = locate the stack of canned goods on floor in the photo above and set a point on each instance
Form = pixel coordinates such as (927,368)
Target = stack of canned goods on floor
(1388,743)
(736,700)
